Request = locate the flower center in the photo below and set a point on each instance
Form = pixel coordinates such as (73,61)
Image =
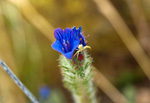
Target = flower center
(66,46)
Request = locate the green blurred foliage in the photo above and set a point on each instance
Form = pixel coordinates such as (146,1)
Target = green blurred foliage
(129,92)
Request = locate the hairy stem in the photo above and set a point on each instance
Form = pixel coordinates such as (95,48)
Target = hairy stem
(78,79)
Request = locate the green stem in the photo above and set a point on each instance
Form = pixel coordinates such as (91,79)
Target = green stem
(78,79)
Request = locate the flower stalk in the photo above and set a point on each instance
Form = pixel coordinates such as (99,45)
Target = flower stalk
(78,75)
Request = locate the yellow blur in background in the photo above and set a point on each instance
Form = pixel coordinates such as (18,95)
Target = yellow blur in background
(119,34)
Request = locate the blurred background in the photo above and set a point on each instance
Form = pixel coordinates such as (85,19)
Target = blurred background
(119,35)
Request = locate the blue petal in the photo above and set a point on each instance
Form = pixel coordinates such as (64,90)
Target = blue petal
(77,31)
(58,33)
(80,28)
(69,55)
(75,44)
(68,33)
(78,34)
(57,46)
(74,28)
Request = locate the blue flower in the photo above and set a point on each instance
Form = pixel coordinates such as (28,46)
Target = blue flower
(44,92)
(66,42)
